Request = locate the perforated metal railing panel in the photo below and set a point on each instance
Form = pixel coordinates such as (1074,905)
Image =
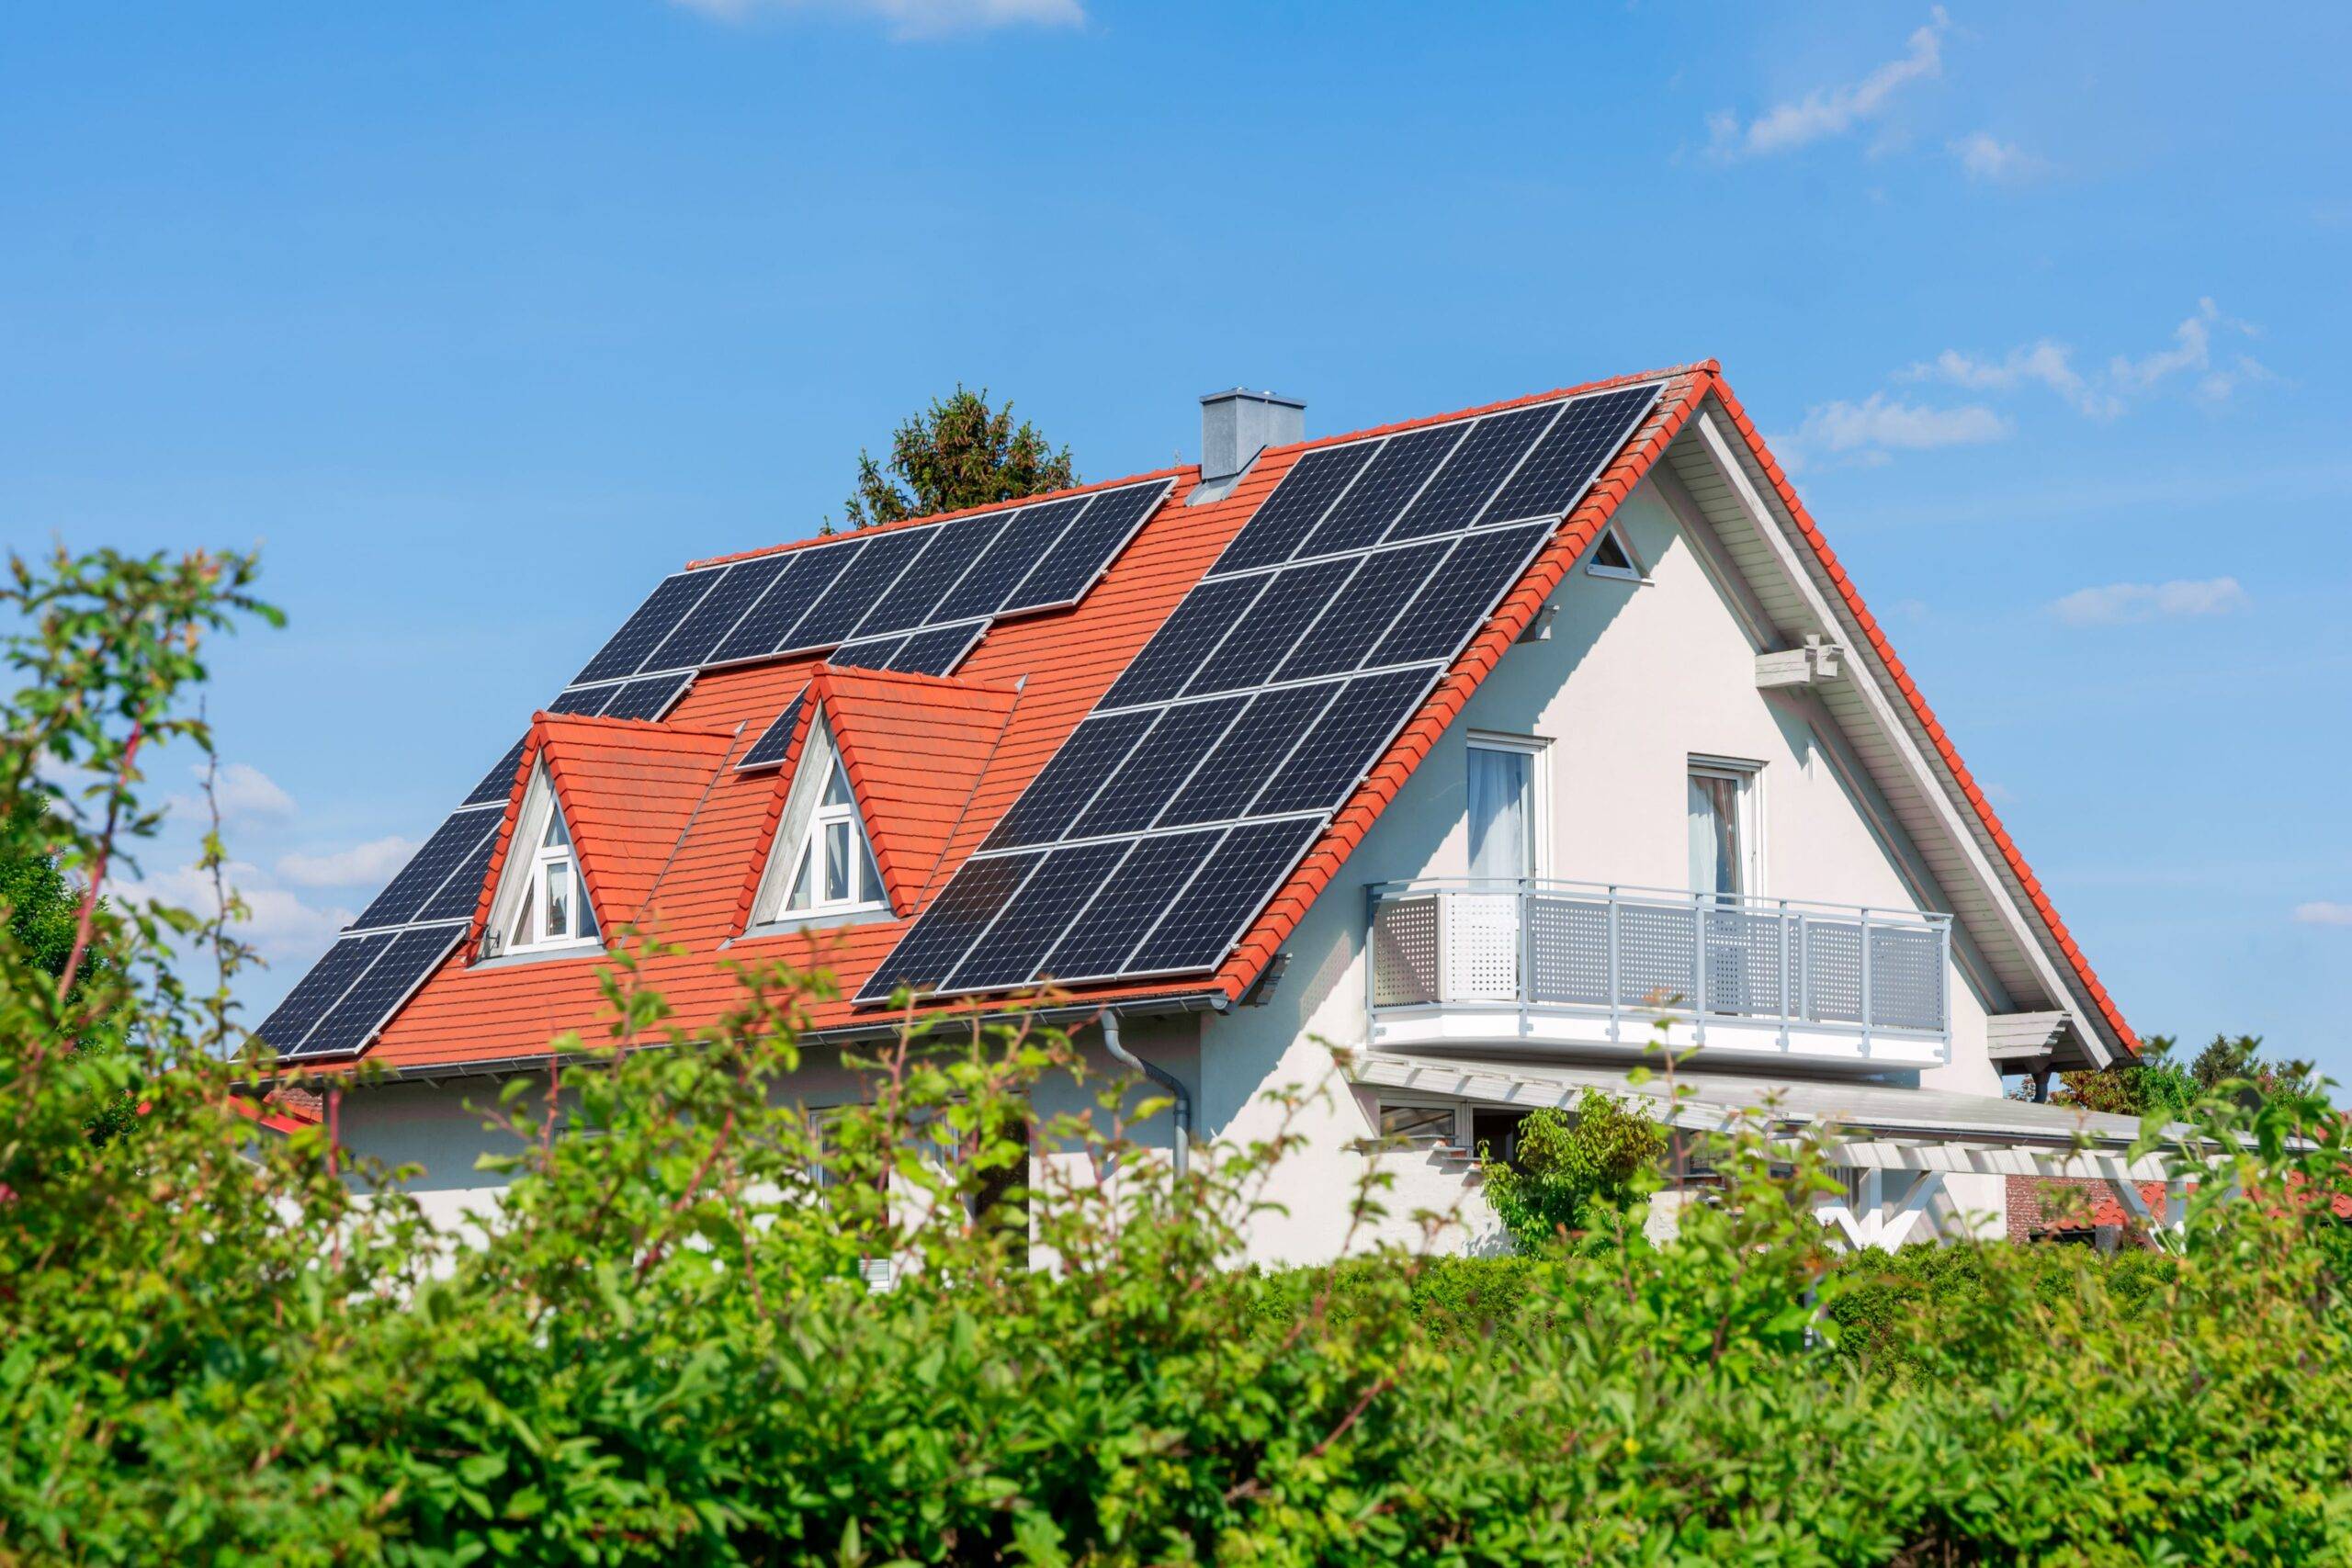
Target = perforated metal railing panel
(1403,951)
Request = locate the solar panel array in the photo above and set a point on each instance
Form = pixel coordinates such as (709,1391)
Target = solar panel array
(865,589)
(913,599)
(1173,812)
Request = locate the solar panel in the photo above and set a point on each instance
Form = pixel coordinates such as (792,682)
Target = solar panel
(1386,487)
(1158,767)
(1486,457)
(1012,555)
(402,967)
(1097,944)
(1202,925)
(1458,597)
(1339,642)
(1009,952)
(320,989)
(915,596)
(1251,750)
(1057,795)
(1184,640)
(776,739)
(766,627)
(583,702)
(1087,548)
(451,843)
(653,620)
(499,783)
(1393,575)
(1352,731)
(970,901)
(938,650)
(846,604)
(739,588)
(649,696)
(459,894)
(1570,455)
(874,654)
(1263,637)
(1274,530)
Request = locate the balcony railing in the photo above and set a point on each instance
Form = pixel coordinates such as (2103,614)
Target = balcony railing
(1763,971)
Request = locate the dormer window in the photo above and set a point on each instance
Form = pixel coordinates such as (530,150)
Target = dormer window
(822,868)
(835,869)
(542,903)
(554,911)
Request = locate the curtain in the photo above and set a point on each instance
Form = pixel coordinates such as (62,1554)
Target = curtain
(1502,833)
(1714,834)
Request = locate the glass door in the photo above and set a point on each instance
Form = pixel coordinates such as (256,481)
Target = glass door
(1483,960)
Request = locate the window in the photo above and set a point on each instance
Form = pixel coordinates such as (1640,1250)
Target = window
(552,909)
(1505,819)
(835,869)
(1613,558)
(823,866)
(1721,813)
(1416,1126)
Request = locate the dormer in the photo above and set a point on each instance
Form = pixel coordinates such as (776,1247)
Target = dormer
(599,809)
(877,769)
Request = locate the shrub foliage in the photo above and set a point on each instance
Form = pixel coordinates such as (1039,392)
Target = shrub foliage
(223,1345)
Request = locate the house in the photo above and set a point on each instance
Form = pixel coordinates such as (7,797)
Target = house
(1490,746)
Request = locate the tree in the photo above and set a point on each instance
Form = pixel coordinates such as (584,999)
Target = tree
(2158,1085)
(1566,1171)
(957,453)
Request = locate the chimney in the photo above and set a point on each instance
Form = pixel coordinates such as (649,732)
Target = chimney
(1237,425)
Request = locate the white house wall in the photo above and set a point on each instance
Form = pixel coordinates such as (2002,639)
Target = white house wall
(1633,681)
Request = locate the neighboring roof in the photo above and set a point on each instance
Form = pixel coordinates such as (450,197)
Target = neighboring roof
(915,748)
(932,786)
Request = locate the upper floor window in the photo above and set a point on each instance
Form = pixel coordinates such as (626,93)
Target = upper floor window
(834,869)
(542,899)
(822,865)
(1721,808)
(1505,817)
(1613,557)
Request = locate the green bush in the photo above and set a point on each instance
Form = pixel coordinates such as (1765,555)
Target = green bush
(223,1349)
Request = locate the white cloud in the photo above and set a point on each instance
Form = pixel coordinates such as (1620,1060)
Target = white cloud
(2320,912)
(362,865)
(1832,111)
(2105,394)
(277,923)
(913,19)
(1866,432)
(245,793)
(1984,156)
(2119,604)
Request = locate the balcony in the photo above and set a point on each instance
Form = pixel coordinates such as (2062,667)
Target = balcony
(1484,963)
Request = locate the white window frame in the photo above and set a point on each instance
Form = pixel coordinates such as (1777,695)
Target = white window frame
(1635,572)
(1537,748)
(527,872)
(1748,779)
(801,833)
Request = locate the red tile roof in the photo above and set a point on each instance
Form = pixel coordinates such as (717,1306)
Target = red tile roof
(935,763)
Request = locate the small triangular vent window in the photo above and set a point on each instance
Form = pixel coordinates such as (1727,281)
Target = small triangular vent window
(1612,558)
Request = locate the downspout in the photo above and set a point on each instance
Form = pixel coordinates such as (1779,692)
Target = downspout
(1164,1078)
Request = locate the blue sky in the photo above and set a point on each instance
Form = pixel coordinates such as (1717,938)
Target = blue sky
(480,318)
